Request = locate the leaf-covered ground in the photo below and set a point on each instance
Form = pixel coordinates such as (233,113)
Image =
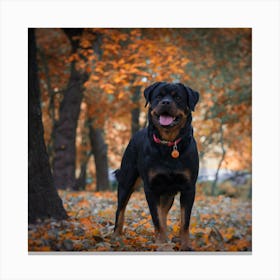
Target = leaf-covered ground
(217,224)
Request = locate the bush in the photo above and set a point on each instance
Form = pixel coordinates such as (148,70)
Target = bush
(227,188)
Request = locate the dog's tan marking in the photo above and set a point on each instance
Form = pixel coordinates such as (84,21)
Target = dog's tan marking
(163,208)
(187,174)
(120,223)
(184,233)
(152,174)
(119,228)
(169,133)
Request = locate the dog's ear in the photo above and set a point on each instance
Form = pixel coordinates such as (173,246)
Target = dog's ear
(149,90)
(193,96)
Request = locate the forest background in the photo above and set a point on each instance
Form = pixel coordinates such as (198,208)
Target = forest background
(91,94)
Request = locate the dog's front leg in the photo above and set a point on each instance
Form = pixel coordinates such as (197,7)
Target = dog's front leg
(186,201)
(159,207)
(153,203)
(165,203)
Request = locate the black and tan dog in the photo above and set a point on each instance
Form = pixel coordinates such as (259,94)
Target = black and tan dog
(165,156)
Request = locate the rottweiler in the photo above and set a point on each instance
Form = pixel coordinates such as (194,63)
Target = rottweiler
(164,155)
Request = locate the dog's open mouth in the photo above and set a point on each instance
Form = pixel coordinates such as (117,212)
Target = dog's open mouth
(165,119)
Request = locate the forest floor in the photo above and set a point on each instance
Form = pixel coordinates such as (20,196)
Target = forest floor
(217,224)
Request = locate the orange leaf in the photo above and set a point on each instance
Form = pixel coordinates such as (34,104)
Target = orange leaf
(86,222)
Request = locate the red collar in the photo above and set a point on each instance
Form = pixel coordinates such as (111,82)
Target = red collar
(168,143)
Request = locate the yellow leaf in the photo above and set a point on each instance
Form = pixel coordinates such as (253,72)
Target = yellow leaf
(176,228)
(45,248)
(95,231)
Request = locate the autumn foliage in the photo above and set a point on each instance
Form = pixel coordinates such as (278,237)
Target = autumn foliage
(215,225)
(117,64)
(216,62)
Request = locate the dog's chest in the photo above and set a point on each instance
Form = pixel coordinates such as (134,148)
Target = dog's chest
(166,181)
(165,174)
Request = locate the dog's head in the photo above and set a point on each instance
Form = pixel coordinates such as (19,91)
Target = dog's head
(170,105)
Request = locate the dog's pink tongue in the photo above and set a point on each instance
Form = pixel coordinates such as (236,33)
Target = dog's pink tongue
(165,120)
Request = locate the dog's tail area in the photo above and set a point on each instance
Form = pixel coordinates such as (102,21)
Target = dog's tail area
(117,174)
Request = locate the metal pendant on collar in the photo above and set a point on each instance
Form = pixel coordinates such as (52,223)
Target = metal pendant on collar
(175,153)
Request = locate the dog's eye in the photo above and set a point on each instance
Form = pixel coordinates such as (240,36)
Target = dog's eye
(159,97)
(177,98)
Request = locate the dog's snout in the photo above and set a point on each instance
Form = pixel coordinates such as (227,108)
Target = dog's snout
(165,102)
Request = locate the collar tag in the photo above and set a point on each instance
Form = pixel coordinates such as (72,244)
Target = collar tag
(175,153)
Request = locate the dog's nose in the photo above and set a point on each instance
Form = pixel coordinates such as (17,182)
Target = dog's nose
(165,102)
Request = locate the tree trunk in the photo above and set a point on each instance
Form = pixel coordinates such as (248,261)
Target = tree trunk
(81,181)
(135,113)
(43,200)
(99,151)
(51,108)
(65,129)
(214,184)
(96,135)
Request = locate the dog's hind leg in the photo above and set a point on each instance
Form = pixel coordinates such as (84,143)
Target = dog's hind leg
(124,194)
(123,198)
(127,176)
